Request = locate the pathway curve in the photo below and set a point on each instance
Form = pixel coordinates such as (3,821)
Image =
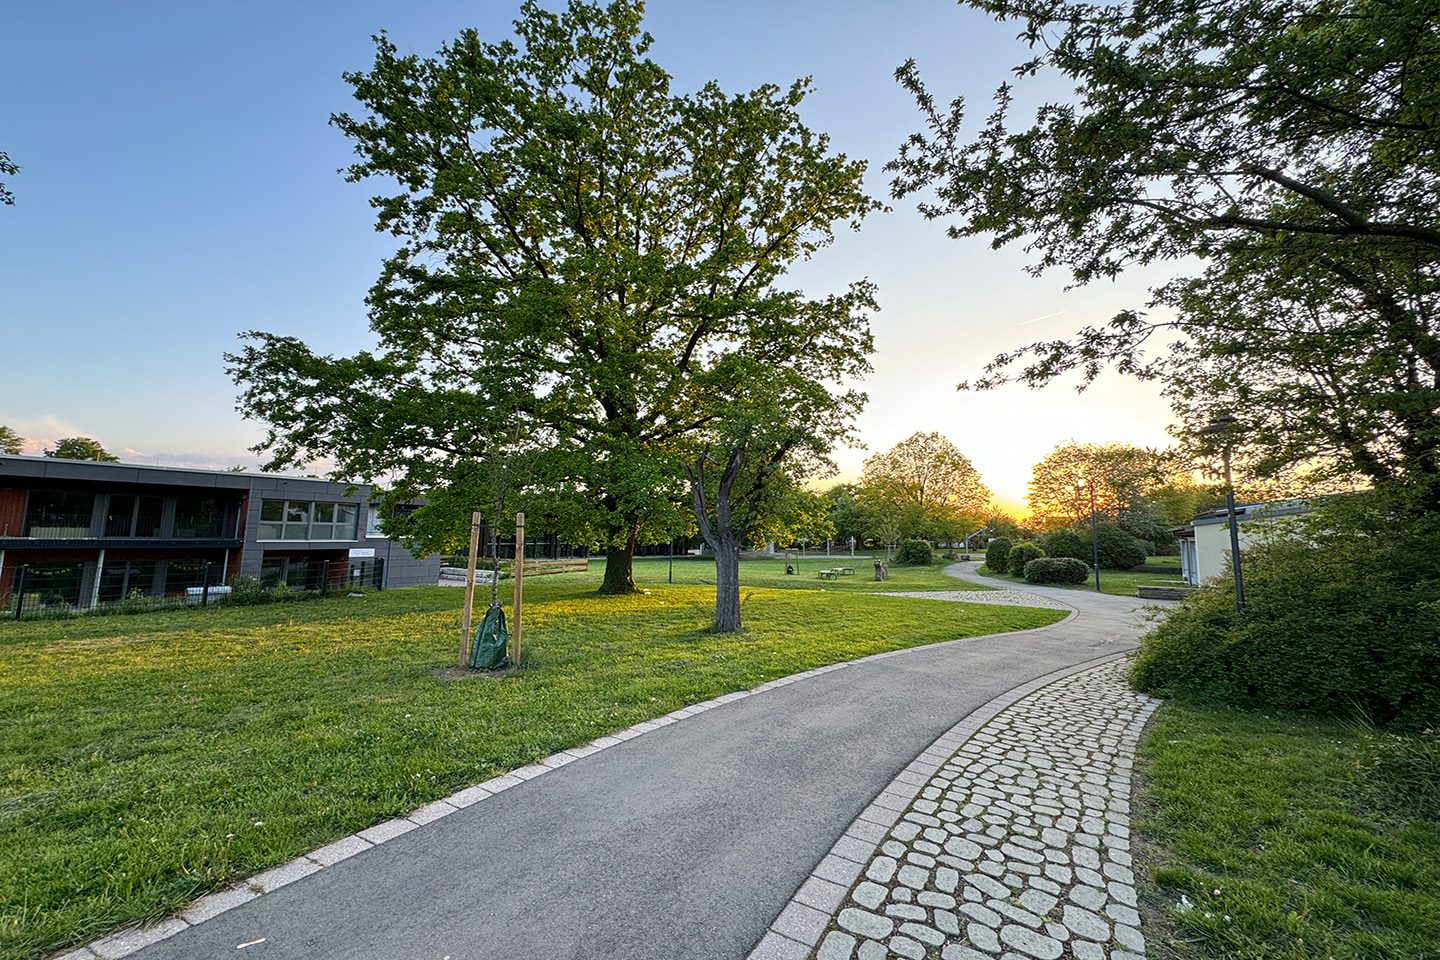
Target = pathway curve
(680,838)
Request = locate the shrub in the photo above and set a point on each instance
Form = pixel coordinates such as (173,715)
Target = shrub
(1068,543)
(1021,554)
(914,553)
(1118,550)
(996,553)
(1334,623)
(1057,570)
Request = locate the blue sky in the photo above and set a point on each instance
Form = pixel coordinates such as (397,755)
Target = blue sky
(179,186)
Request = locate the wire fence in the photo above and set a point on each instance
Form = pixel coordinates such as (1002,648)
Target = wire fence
(57,589)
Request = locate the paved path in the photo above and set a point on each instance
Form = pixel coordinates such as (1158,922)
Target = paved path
(671,840)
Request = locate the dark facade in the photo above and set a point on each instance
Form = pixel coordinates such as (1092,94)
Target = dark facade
(91,533)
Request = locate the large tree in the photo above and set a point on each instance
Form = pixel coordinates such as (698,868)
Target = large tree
(923,482)
(10,441)
(580,246)
(1116,475)
(1294,147)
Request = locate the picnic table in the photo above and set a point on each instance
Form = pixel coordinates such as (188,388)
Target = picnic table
(834,572)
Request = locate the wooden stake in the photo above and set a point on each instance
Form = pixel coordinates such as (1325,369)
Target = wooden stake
(469,586)
(519,579)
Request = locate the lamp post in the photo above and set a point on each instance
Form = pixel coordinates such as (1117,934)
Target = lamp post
(1223,427)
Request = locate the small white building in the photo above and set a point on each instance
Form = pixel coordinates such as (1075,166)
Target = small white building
(1205,542)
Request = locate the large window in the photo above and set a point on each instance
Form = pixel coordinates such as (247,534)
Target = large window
(132,516)
(199,517)
(307,520)
(58,514)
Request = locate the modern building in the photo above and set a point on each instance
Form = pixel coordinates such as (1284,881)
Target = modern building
(1205,542)
(89,533)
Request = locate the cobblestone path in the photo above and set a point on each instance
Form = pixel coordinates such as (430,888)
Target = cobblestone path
(1009,840)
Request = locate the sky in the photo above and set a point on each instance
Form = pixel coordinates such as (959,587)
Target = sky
(179,186)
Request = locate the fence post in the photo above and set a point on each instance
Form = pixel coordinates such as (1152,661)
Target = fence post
(380,566)
(20,590)
(469,586)
(324,578)
(205,585)
(519,581)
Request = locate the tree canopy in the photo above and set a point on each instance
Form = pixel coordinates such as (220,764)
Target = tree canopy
(9,169)
(1293,146)
(1117,474)
(922,487)
(10,441)
(583,253)
(81,448)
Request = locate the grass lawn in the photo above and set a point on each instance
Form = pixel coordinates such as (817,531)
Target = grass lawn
(1121,583)
(147,760)
(1259,823)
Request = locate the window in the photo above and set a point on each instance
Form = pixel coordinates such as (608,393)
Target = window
(306,520)
(58,515)
(120,579)
(197,517)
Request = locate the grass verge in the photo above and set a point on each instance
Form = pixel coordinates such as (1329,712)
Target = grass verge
(1264,825)
(148,760)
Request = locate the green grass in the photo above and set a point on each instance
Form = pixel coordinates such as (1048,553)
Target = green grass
(147,760)
(1120,583)
(1263,825)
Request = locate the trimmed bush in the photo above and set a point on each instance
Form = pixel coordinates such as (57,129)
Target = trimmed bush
(1021,554)
(996,553)
(914,553)
(1068,543)
(1119,550)
(1057,570)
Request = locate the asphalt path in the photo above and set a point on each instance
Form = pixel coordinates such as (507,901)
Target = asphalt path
(685,842)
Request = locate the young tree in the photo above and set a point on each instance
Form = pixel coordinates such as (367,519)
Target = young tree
(10,441)
(81,448)
(580,245)
(776,429)
(1289,144)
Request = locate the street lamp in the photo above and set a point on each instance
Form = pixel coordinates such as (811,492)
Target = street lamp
(1223,427)
(1094,536)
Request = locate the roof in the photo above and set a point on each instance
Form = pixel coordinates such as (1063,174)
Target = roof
(18,467)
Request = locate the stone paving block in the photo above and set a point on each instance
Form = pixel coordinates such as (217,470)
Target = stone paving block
(342,849)
(284,874)
(821,894)
(956,951)
(128,941)
(838,870)
(469,796)
(217,903)
(388,830)
(869,895)
(903,946)
(836,946)
(431,812)
(773,946)
(558,760)
(866,830)
(802,923)
(865,923)
(1030,942)
(529,772)
(79,953)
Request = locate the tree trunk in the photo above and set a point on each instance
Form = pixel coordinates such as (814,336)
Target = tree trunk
(727,585)
(619,568)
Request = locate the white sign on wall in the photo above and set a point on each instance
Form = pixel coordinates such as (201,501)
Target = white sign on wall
(361,552)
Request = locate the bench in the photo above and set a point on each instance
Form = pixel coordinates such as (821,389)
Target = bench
(829,574)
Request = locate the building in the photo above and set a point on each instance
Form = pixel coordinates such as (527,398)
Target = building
(1205,542)
(89,533)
